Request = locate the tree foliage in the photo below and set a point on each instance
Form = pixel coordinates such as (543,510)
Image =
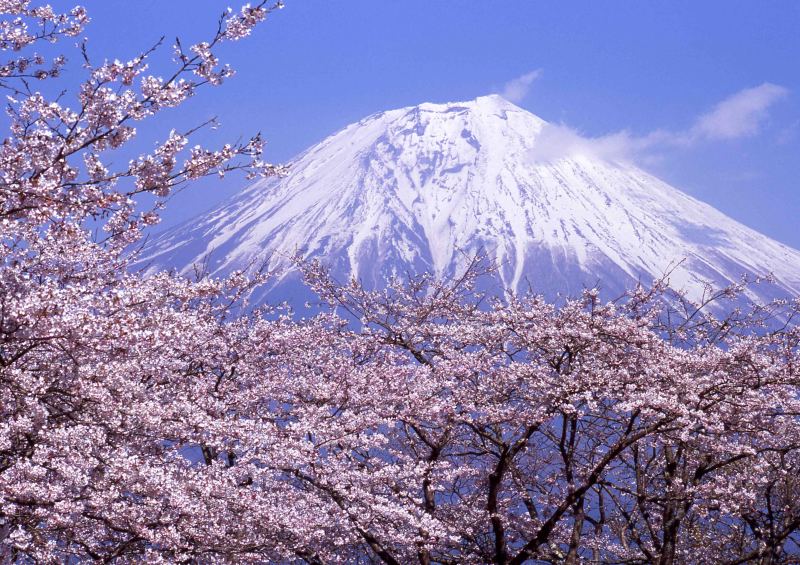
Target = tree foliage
(156,418)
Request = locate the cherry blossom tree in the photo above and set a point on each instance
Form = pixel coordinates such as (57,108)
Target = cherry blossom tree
(101,368)
(163,419)
(641,432)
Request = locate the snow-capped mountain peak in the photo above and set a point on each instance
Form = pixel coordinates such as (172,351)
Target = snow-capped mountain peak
(420,188)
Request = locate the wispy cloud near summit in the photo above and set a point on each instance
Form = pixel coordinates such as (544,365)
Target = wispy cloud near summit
(517,89)
(740,115)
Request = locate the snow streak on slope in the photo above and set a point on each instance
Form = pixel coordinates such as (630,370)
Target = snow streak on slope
(420,188)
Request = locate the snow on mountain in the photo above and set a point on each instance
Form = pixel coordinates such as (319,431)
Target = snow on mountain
(421,188)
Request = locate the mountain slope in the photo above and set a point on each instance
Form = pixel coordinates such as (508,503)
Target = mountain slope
(418,189)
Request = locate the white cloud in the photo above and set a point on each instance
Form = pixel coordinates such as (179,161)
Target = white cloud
(517,89)
(558,140)
(740,115)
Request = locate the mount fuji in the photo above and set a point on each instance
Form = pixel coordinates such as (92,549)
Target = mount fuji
(421,189)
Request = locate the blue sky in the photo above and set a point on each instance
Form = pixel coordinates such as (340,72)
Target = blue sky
(705,95)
